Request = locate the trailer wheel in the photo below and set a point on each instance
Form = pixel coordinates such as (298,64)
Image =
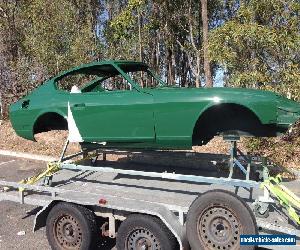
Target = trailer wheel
(144,232)
(71,226)
(216,219)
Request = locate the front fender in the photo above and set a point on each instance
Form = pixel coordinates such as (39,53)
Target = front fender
(266,112)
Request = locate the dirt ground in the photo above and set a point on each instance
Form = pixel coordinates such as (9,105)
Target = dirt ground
(49,143)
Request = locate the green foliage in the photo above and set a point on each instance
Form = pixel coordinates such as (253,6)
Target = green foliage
(55,35)
(123,29)
(125,24)
(259,47)
(255,42)
(41,38)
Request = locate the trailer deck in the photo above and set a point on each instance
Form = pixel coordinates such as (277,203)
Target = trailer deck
(118,189)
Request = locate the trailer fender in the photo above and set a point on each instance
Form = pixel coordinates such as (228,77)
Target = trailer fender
(41,216)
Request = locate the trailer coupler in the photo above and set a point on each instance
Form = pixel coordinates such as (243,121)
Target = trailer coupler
(287,199)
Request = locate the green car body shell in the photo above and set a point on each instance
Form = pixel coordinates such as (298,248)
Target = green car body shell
(161,117)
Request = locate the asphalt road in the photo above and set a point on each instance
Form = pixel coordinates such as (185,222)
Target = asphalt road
(16,221)
(15,218)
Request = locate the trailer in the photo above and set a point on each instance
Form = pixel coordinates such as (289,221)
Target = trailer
(84,197)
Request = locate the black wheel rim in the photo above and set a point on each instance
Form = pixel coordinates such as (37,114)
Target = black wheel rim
(219,228)
(142,239)
(67,232)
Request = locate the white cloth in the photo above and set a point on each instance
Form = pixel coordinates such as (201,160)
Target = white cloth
(75,90)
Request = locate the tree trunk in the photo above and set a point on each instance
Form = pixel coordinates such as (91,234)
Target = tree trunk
(158,52)
(173,65)
(140,36)
(140,46)
(198,72)
(169,60)
(207,70)
(109,10)
(197,82)
(184,71)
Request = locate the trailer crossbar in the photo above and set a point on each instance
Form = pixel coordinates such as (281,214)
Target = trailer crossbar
(166,175)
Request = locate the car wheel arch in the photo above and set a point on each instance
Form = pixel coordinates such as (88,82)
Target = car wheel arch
(49,120)
(222,107)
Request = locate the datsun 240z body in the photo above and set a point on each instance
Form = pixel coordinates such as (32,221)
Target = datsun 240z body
(123,104)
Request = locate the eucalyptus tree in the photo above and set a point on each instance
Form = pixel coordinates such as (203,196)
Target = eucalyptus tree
(40,38)
(259,46)
(206,59)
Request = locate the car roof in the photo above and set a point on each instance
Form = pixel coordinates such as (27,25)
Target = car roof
(105,67)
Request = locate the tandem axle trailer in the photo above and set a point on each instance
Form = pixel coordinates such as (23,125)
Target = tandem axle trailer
(86,199)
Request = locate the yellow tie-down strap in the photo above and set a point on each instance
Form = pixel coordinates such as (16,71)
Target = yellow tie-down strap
(52,167)
(286,197)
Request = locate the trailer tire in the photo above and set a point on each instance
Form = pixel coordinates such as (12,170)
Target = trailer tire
(71,226)
(145,230)
(216,219)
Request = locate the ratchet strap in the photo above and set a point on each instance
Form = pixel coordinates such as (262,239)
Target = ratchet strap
(286,198)
(52,167)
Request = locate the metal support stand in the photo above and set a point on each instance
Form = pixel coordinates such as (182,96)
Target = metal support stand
(248,166)
(235,153)
(235,161)
(265,168)
(65,164)
(104,156)
(232,157)
(64,151)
